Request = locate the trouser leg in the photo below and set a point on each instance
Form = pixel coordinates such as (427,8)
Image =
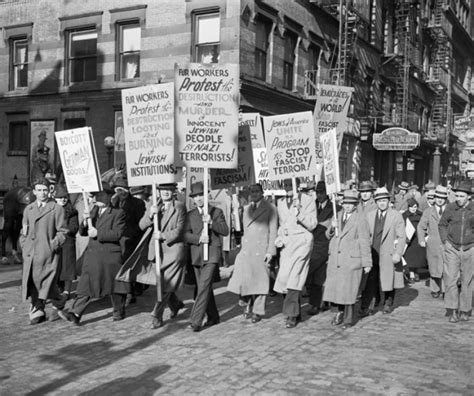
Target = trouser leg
(451,273)
(259,301)
(80,304)
(372,288)
(467,269)
(291,304)
(36,302)
(174,303)
(348,314)
(389,298)
(160,305)
(435,285)
(118,304)
(204,302)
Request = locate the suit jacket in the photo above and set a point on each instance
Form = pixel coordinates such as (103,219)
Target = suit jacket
(192,232)
(43,233)
(428,232)
(134,209)
(393,241)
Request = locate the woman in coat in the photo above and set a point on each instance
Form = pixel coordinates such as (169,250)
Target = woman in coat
(415,255)
(349,257)
(102,258)
(67,258)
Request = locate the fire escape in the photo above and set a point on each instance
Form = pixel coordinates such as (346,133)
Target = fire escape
(439,78)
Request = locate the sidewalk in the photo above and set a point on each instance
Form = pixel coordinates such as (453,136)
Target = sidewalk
(411,351)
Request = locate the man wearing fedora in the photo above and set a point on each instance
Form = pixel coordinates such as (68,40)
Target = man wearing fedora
(319,254)
(428,236)
(400,197)
(196,220)
(456,229)
(349,257)
(367,203)
(428,195)
(387,233)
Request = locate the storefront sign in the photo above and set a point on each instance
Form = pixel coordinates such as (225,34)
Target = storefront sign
(396,139)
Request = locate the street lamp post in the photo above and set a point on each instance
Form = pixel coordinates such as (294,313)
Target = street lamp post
(109,143)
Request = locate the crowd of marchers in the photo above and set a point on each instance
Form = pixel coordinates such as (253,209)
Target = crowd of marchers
(353,249)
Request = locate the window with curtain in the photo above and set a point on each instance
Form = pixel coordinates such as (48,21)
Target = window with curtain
(18,137)
(19,63)
(288,61)
(261,47)
(82,56)
(129,51)
(206,31)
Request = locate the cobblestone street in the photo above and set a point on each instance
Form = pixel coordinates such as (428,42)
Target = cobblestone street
(412,351)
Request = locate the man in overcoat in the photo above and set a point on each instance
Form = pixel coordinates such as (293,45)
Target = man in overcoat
(319,254)
(428,236)
(251,276)
(367,203)
(43,233)
(456,229)
(196,220)
(171,218)
(387,233)
(298,218)
(349,257)
(428,195)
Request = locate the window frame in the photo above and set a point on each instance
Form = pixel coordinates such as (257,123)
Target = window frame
(13,86)
(260,52)
(119,28)
(23,148)
(69,34)
(289,60)
(196,45)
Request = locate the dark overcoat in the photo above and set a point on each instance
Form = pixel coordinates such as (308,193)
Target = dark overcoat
(251,274)
(103,255)
(43,233)
(134,209)
(67,258)
(414,255)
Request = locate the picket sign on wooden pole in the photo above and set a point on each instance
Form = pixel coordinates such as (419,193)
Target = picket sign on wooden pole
(334,211)
(157,244)
(295,191)
(235,208)
(85,197)
(205,229)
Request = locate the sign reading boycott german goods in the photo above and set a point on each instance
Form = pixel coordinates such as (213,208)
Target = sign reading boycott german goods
(243,175)
(79,160)
(331,161)
(207,115)
(148,117)
(290,145)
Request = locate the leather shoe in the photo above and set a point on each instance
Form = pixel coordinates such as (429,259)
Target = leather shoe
(256,318)
(435,294)
(338,319)
(210,323)
(38,320)
(156,323)
(366,312)
(194,327)
(313,310)
(387,309)
(463,317)
(174,312)
(453,318)
(73,318)
(290,323)
(346,326)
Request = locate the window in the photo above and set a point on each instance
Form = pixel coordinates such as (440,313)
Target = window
(129,51)
(18,137)
(207,38)
(261,47)
(288,61)
(73,123)
(19,63)
(82,56)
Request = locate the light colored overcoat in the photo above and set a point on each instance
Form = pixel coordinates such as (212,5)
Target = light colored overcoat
(43,233)
(348,253)
(393,241)
(296,233)
(428,231)
(251,274)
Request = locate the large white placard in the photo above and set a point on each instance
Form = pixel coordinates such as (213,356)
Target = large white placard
(148,116)
(79,160)
(290,145)
(331,161)
(207,114)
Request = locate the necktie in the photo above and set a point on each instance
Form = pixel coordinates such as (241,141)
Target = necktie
(440,211)
(253,206)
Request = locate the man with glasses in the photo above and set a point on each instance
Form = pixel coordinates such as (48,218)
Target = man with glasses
(456,229)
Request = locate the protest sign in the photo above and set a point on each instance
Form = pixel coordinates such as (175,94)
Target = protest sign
(79,160)
(243,175)
(255,125)
(330,111)
(207,115)
(148,116)
(260,163)
(331,161)
(290,145)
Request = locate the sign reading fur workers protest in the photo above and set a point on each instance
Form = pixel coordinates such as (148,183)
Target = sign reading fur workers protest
(148,116)
(331,161)
(290,145)
(207,115)
(79,160)
(243,175)
(330,111)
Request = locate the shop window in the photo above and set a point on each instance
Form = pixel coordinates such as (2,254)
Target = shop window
(206,37)
(19,63)
(18,138)
(129,46)
(262,32)
(82,56)
(288,61)
(73,123)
